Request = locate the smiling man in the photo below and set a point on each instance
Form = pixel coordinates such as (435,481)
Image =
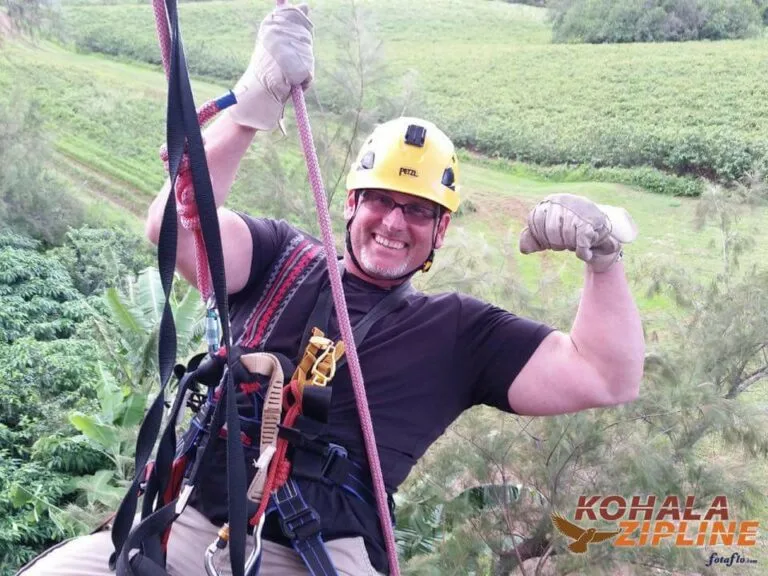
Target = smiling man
(428,359)
(402,191)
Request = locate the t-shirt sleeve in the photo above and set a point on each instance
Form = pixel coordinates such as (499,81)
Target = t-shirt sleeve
(268,237)
(496,344)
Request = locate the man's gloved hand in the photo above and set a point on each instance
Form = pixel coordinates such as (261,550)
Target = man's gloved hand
(282,58)
(567,222)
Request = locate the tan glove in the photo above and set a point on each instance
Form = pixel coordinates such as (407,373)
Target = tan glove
(282,58)
(567,222)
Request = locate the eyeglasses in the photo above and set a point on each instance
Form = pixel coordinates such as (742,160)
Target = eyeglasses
(383,204)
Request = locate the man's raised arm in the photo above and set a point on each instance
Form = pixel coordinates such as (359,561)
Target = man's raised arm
(600,363)
(282,58)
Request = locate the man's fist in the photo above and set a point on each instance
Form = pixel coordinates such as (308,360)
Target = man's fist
(283,58)
(567,222)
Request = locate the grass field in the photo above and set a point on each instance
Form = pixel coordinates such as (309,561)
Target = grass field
(106,119)
(488,73)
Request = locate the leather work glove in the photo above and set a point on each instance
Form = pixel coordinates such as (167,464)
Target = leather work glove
(282,58)
(567,222)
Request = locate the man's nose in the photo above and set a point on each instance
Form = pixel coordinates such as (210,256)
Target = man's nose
(395,219)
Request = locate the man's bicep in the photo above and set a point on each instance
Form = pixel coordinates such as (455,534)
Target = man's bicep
(556,380)
(237,246)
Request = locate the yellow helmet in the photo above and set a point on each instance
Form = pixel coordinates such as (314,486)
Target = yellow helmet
(411,156)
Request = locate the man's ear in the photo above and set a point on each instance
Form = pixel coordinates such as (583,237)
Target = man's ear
(442,227)
(349,205)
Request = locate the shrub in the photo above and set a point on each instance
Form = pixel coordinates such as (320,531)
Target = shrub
(615,21)
(33,200)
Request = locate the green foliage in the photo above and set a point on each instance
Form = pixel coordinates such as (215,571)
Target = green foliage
(38,295)
(692,431)
(39,383)
(31,16)
(97,258)
(98,118)
(616,21)
(72,455)
(129,332)
(112,431)
(50,367)
(32,200)
(29,517)
(430,525)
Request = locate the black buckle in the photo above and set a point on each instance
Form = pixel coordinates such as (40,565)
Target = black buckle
(336,463)
(301,525)
(196,399)
(295,437)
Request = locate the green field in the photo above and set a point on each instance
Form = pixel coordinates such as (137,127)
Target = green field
(497,84)
(106,119)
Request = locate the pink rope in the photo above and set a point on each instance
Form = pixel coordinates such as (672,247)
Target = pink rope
(189,218)
(163,34)
(361,399)
(339,301)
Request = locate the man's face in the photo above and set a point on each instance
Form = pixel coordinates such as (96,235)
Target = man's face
(391,240)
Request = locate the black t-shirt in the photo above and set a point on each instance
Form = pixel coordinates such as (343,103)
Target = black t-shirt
(423,364)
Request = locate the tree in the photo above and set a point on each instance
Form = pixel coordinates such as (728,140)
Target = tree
(31,16)
(68,363)
(693,400)
(46,367)
(598,21)
(98,258)
(33,201)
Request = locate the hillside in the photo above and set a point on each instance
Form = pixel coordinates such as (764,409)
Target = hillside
(489,74)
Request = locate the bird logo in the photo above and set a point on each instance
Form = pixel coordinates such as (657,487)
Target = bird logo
(583,536)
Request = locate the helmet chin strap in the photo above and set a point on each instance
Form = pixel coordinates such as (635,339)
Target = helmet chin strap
(424,267)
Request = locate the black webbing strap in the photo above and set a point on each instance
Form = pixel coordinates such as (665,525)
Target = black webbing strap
(301,524)
(183,134)
(321,313)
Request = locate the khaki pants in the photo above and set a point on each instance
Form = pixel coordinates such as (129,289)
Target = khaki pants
(190,536)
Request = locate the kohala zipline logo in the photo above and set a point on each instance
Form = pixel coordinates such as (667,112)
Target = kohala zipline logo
(643,521)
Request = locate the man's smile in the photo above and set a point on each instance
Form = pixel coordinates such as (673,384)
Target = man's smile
(388,242)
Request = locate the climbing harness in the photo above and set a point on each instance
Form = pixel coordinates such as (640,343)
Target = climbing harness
(214,384)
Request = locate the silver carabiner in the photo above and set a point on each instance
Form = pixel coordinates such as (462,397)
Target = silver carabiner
(254,560)
(210,553)
(212,333)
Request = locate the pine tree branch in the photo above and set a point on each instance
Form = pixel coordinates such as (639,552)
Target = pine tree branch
(552,452)
(550,551)
(487,456)
(745,383)
(524,430)
(537,546)
(359,107)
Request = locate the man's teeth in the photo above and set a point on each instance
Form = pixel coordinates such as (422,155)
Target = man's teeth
(394,244)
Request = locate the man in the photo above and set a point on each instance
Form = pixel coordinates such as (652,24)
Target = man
(429,359)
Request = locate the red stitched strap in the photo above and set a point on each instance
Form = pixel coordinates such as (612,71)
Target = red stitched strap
(250,387)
